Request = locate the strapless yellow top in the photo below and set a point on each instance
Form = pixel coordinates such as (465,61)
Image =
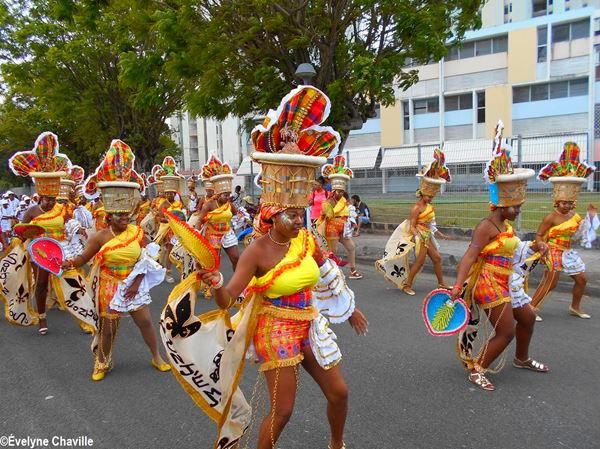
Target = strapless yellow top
(297,271)
(53,222)
(560,235)
(119,255)
(221,214)
(427,216)
(503,245)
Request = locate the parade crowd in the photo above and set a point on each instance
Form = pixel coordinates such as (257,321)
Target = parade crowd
(94,246)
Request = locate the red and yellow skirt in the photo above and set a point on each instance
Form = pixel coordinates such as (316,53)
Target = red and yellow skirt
(110,278)
(334,228)
(492,286)
(282,330)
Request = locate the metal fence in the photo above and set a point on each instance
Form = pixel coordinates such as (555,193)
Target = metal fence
(388,187)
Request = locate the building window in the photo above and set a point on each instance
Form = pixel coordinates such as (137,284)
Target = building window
(560,89)
(480,107)
(539,8)
(478,48)
(570,31)
(458,102)
(426,106)
(542,47)
(405,115)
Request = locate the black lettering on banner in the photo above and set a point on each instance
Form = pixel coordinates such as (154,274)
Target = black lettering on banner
(214,395)
(229,334)
(224,443)
(217,361)
(188,369)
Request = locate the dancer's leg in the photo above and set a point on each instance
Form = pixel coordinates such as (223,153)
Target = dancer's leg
(334,388)
(281,383)
(143,321)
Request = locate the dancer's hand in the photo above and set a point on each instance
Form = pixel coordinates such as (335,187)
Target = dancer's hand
(359,322)
(455,292)
(133,289)
(540,247)
(210,278)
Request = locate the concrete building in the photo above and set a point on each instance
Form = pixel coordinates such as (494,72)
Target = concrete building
(534,63)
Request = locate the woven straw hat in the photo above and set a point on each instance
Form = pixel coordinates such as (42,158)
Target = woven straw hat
(435,175)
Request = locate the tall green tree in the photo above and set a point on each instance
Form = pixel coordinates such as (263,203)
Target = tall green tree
(91,71)
(239,56)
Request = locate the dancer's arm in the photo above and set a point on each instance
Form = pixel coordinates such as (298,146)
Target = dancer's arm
(92,247)
(544,227)
(245,270)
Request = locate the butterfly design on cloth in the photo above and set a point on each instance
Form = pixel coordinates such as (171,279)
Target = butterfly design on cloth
(175,320)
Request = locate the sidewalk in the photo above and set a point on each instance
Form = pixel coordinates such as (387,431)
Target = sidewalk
(369,248)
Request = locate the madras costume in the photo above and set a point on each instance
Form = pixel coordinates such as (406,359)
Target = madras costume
(490,276)
(287,311)
(334,218)
(284,310)
(490,282)
(99,214)
(567,176)
(46,166)
(217,227)
(143,210)
(116,260)
(560,255)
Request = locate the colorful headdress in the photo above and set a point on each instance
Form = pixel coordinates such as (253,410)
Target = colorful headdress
(218,174)
(434,175)
(567,174)
(154,179)
(507,185)
(191,181)
(44,164)
(116,179)
(71,181)
(169,175)
(290,145)
(338,173)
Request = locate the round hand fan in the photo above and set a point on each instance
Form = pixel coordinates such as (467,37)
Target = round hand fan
(194,242)
(444,316)
(48,254)
(26,231)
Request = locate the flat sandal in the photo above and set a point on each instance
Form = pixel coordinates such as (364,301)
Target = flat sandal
(481,381)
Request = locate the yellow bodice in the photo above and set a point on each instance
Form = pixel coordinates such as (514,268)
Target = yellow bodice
(503,245)
(52,221)
(560,235)
(221,214)
(120,254)
(427,216)
(297,270)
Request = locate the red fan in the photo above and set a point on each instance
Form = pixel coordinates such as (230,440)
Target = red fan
(48,254)
(26,231)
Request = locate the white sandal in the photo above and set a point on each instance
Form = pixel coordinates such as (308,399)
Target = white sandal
(479,379)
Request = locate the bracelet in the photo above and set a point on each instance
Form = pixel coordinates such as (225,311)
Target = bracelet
(219,283)
(457,286)
(71,263)
(231,302)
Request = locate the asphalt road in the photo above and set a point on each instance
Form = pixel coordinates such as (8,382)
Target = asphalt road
(407,389)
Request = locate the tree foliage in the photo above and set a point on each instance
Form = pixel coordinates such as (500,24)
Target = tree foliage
(88,70)
(239,56)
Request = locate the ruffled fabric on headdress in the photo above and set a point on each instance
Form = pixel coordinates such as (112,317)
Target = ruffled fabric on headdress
(118,165)
(437,169)
(169,166)
(215,167)
(295,128)
(44,157)
(297,121)
(501,163)
(156,173)
(567,165)
(337,168)
(76,174)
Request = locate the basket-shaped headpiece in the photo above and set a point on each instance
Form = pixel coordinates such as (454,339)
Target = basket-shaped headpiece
(338,173)
(567,175)
(115,179)
(290,145)
(435,175)
(218,174)
(507,185)
(44,164)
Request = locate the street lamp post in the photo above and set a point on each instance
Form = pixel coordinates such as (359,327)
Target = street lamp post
(305,72)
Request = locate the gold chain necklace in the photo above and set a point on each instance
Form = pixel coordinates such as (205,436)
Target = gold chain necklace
(275,241)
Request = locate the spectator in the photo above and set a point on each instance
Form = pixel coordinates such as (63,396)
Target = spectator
(364,215)
(236,197)
(325,183)
(21,211)
(590,225)
(6,217)
(316,199)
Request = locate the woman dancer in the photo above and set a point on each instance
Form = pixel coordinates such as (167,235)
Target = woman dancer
(125,273)
(278,271)
(557,228)
(335,213)
(214,218)
(487,265)
(421,227)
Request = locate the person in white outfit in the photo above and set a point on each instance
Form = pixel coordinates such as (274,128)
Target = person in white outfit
(589,227)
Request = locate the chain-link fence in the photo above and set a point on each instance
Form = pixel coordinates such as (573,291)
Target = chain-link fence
(389,186)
